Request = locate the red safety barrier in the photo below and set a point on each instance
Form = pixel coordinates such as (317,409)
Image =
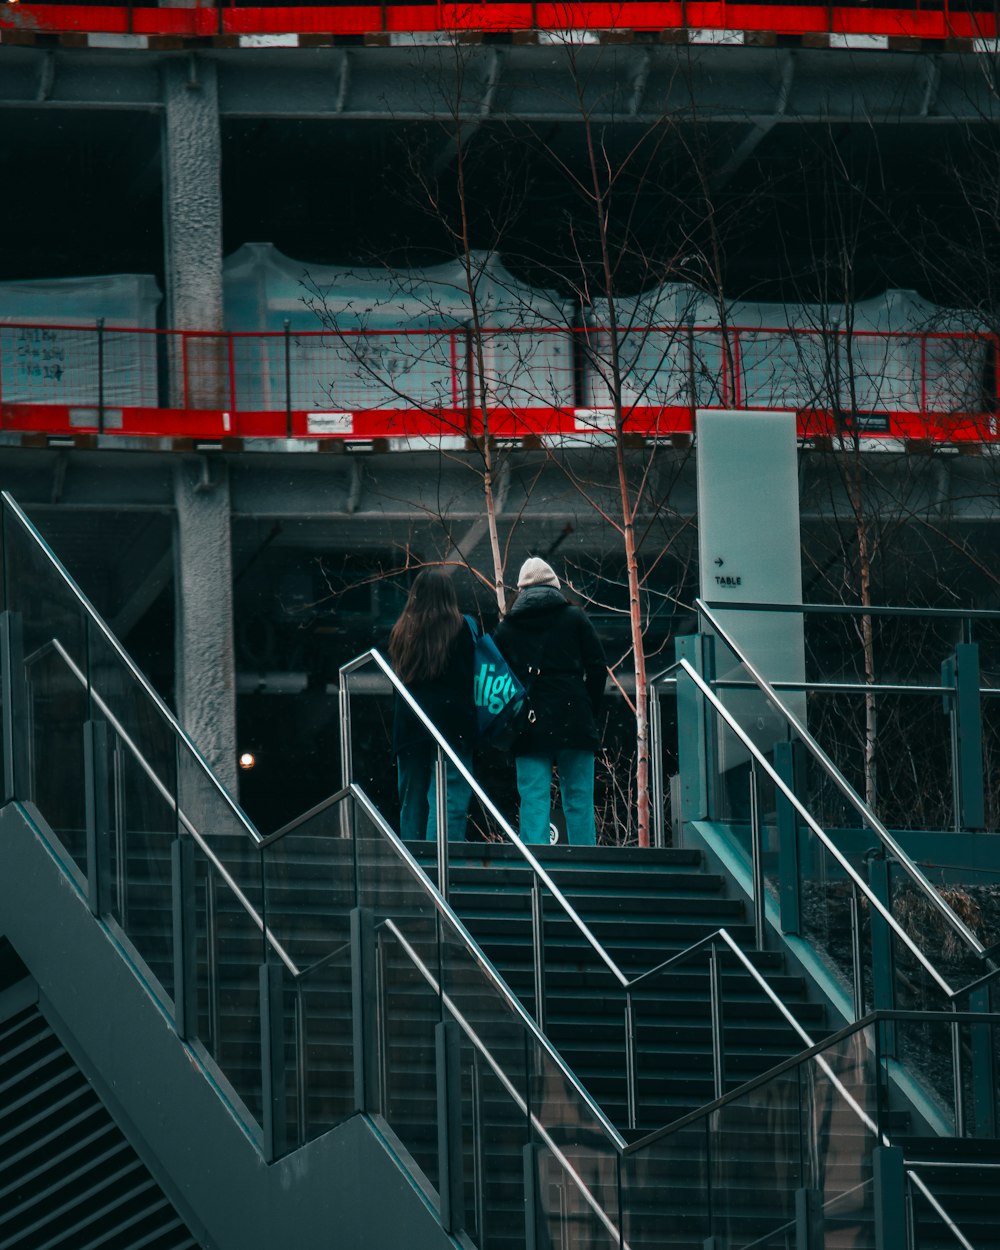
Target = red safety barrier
(933,20)
(422,386)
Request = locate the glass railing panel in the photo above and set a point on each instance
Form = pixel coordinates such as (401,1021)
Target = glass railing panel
(139,840)
(54,774)
(319,1046)
(228,958)
(495,1134)
(48,608)
(404,927)
(734,1172)
(408,1013)
(840,1101)
(916,914)
(308,897)
(495,1094)
(49,700)
(830,909)
(205,810)
(309,885)
(667,1192)
(954,1065)
(757,1162)
(676,1035)
(135,768)
(848,1218)
(576,1177)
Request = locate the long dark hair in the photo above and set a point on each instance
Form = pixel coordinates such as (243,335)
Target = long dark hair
(421,639)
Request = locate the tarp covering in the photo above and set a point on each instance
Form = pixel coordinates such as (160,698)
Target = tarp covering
(382,344)
(660,362)
(674,350)
(60,366)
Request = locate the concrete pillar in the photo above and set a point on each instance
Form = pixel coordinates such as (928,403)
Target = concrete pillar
(205,667)
(192,215)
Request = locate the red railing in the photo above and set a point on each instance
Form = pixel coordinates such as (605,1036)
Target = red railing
(920,19)
(424,385)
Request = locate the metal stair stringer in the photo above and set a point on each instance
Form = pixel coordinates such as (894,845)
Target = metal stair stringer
(344,1189)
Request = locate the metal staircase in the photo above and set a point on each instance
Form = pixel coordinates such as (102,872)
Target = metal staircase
(321,1029)
(68,1175)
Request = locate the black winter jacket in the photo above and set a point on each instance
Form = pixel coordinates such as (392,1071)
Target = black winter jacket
(544,632)
(447,701)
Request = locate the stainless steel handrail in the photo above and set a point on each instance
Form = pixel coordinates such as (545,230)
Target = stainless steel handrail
(858,609)
(847,790)
(521,1103)
(473,948)
(939,1210)
(786,1065)
(727,939)
(379,660)
(814,826)
(54,645)
(122,655)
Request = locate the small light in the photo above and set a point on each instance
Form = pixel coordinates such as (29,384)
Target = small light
(247,759)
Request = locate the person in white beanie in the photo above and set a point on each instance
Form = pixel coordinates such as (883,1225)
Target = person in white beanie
(555,651)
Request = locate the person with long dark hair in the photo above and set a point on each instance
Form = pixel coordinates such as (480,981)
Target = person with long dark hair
(431,649)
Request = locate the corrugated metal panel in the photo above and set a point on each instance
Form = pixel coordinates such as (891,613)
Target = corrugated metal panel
(68,1176)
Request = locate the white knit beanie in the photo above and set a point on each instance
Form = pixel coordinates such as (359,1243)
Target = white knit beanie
(535,572)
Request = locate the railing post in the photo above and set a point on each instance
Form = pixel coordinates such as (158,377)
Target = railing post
(346,758)
(441,816)
(100,375)
(15,706)
(288,378)
(857,967)
(95,757)
(808,1219)
(184,937)
(301,1068)
(538,949)
(631,1093)
(365,1008)
(272,1059)
(957,1075)
(883,960)
(889,1182)
(231,372)
(788,766)
(983,1065)
(478,1154)
(212,960)
(695,733)
(534,1215)
(961,672)
(451,1183)
(657,795)
(757,858)
(717,1026)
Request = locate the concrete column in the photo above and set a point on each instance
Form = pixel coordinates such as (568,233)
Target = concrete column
(192,213)
(205,667)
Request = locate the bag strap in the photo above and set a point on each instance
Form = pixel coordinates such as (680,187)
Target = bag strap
(473,625)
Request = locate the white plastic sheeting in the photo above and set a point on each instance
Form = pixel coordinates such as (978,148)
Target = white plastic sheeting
(60,365)
(909,374)
(659,364)
(393,338)
(675,349)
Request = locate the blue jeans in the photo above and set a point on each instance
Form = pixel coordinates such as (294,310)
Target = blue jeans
(417,780)
(576,786)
